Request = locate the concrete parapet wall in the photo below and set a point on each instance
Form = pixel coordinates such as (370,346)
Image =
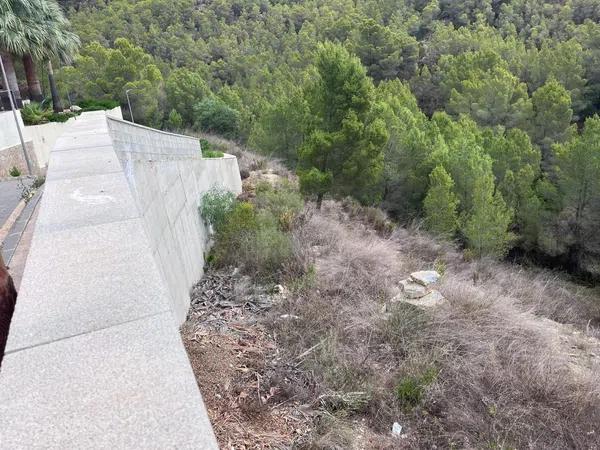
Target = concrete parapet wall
(9,136)
(41,137)
(94,358)
(168,176)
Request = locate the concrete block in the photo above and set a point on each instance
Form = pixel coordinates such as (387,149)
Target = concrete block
(75,141)
(85,201)
(83,162)
(85,279)
(125,387)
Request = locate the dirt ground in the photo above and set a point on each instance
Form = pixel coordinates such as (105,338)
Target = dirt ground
(235,361)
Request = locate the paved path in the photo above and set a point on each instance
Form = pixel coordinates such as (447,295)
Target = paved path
(10,196)
(94,356)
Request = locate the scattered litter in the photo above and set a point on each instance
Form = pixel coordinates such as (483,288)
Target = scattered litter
(396,429)
(289,316)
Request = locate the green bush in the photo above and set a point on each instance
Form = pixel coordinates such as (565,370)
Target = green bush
(212,154)
(215,116)
(252,240)
(60,117)
(174,121)
(34,114)
(97,105)
(210,150)
(215,205)
(283,201)
(14,171)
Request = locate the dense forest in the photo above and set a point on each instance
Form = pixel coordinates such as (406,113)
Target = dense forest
(477,118)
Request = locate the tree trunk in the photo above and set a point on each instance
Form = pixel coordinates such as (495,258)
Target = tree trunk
(53,90)
(33,82)
(11,75)
(319,201)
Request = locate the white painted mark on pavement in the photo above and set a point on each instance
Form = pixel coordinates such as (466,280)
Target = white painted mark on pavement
(92,199)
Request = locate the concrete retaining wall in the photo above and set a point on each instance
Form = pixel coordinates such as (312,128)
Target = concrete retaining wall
(9,135)
(94,356)
(13,157)
(168,176)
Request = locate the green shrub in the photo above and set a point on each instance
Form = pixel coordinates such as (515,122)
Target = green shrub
(60,117)
(38,181)
(283,201)
(210,150)
(410,390)
(97,105)
(252,240)
(215,205)
(14,172)
(34,114)
(174,121)
(212,154)
(215,116)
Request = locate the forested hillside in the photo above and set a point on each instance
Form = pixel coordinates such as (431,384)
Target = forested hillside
(476,117)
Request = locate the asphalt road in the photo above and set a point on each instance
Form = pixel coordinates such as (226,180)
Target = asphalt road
(10,196)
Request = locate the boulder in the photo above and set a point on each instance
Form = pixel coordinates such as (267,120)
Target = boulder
(75,108)
(425,277)
(431,300)
(410,289)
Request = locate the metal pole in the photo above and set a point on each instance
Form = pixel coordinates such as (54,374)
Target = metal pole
(12,107)
(129,104)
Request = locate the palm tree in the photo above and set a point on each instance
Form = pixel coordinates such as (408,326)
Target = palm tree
(37,30)
(13,38)
(59,42)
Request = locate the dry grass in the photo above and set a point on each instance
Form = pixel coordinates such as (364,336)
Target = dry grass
(504,378)
(510,362)
(248,161)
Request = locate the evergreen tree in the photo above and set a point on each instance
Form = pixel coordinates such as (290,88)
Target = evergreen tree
(441,204)
(344,151)
(485,227)
(552,116)
(184,89)
(578,171)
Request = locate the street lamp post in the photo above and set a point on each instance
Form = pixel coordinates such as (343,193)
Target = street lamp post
(12,107)
(129,104)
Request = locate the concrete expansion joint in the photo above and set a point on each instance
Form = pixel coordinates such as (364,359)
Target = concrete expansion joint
(91,331)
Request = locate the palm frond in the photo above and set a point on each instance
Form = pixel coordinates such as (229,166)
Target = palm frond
(36,27)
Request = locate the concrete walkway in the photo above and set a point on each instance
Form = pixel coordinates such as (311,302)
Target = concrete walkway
(94,357)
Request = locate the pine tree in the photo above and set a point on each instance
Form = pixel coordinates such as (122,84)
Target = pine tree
(485,228)
(441,204)
(552,116)
(345,149)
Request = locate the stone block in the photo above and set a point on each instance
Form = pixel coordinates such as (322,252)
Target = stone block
(425,277)
(85,279)
(127,386)
(410,289)
(431,300)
